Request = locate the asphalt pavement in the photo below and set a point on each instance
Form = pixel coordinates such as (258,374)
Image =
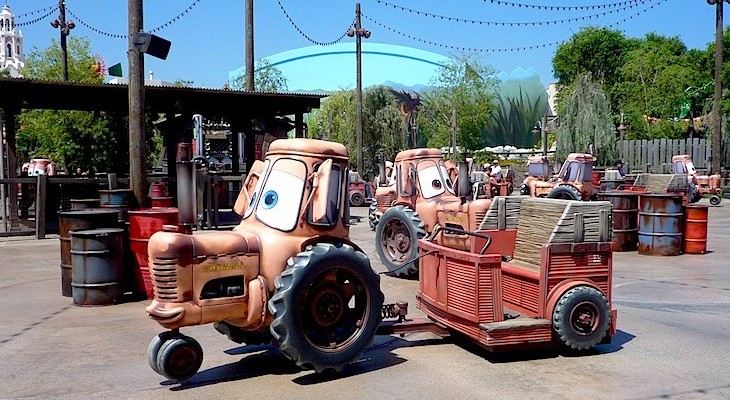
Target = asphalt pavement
(673,342)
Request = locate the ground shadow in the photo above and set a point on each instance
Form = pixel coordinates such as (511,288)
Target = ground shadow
(268,360)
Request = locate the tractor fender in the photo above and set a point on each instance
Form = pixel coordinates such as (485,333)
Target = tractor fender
(560,289)
(329,239)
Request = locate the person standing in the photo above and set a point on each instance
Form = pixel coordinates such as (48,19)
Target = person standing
(496,171)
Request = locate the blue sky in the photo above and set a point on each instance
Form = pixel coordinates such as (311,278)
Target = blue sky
(208,41)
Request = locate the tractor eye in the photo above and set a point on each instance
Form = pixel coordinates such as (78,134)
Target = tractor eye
(436,183)
(270,199)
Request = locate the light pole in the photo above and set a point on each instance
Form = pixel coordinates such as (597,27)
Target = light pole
(65,31)
(716,111)
(358,32)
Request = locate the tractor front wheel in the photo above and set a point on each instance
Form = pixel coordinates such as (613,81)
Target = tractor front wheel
(715,200)
(581,318)
(396,239)
(565,192)
(326,307)
(357,199)
(179,358)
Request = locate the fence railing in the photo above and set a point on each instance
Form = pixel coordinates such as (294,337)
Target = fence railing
(657,153)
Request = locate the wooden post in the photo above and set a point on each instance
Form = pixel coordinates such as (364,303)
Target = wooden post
(12,167)
(137,149)
(299,128)
(40,206)
(358,72)
(716,106)
(250,84)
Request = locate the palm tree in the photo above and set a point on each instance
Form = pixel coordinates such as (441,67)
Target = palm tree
(409,103)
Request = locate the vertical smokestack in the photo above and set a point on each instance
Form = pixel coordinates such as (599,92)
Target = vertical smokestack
(185,169)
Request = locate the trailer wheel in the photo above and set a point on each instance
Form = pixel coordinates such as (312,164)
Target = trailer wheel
(356,199)
(154,349)
(396,239)
(524,190)
(326,306)
(581,318)
(715,200)
(179,358)
(372,217)
(565,192)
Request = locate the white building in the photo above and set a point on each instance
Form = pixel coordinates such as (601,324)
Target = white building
(11,44)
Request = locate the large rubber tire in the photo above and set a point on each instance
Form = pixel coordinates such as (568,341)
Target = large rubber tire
(524,190)
(153,350)
(357,199)
(396,240)
(242,336)
(565,192)
(372,217)
(179,358)
(581,318)
(326,306)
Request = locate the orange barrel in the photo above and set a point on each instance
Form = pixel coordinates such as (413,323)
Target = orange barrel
(660,224)
(97,266)
(79,220)
(116,199)
(695,229)
(625,219)
(596,178)
(158,189)
(83,204)
(164,202)
(143,224)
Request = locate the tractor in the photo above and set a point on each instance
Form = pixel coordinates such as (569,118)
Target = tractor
(575,181)
(288,274)
(703,184)
(358,191)
(422,198)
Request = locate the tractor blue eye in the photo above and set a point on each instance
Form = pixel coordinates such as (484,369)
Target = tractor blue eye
(270,199)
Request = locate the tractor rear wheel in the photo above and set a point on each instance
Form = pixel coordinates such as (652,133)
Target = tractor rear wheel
(565,192)
(396,239)
(372,217)
(326,306)
(357,199)
(581,318)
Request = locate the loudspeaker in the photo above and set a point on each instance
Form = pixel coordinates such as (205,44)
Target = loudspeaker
(152,44)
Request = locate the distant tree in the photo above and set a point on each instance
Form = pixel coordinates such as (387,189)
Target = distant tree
(267,78)
(409,104)
(4,73)
(585,120)
(335,120)
(183,83)
(464,85)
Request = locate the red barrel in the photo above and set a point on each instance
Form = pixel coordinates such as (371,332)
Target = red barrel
(625,217)
(161,202)
(143,224)
(695,229)
(158,189)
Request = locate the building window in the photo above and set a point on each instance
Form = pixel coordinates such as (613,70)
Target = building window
(9,51)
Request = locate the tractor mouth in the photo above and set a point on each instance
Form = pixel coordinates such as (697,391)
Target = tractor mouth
(159,313)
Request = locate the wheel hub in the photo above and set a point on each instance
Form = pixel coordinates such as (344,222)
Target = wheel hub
(584,318)
(327,307)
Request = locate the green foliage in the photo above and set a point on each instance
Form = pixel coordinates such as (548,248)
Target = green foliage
(463,85)
(585,119)
(513,121)
(4,73)
(267,78)
(46,64)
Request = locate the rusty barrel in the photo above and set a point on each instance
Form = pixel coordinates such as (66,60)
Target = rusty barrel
(695,229)
(158,189)
(625,219)
(660,224)
(161,202)
(118,200)
(97,266)
(83,204)
(79,220)
(143,224)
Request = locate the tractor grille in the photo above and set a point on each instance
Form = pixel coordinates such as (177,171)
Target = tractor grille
(164,279)
(385,201)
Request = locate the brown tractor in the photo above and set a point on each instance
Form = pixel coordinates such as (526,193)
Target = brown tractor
(702,184)
(575,181)
(288,273)
(422,198)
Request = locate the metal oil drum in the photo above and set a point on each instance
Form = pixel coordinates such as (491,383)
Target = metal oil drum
(97,266)
(161,202)
(79,220)
(118,200)
(660,224)
(158,189)
(625,219)
(143,224)
(695,229)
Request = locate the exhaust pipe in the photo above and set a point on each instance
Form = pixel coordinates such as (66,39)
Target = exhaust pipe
(383,180)
(464,186)
(185,169)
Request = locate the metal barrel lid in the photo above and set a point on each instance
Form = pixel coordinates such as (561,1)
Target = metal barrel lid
(96,232)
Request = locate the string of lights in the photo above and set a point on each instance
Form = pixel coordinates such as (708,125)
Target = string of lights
(559,8)
(41,18)
(116,36)
(635,3)
(51,8)
(501,50)
(309,38)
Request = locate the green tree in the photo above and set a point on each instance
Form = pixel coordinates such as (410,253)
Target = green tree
(464,85)
(585,121)
(4,73)
(267,78)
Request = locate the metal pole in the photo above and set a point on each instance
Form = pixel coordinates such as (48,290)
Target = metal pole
(64,33)
(250,87)
(358,53)
(454,128)
(717,112)
(544,132)
(137,150)
(3,214)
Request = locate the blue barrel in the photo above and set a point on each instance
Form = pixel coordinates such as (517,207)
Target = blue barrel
(118,200)
(97,266)
(660,224)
